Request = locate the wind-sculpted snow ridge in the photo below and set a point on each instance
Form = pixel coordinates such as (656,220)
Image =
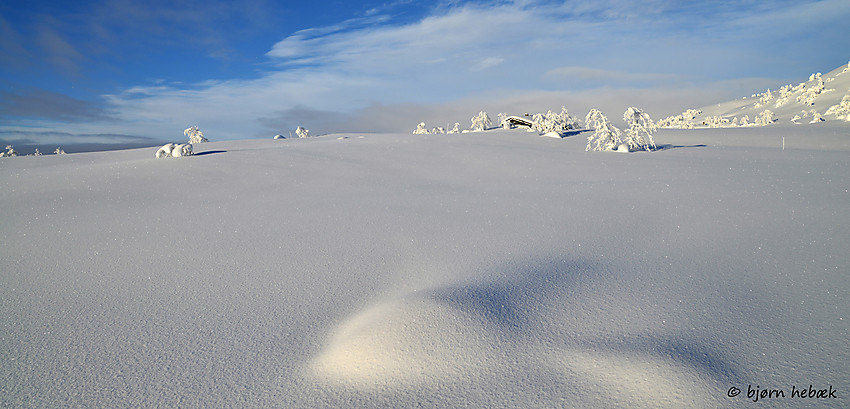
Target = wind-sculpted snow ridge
(456,334)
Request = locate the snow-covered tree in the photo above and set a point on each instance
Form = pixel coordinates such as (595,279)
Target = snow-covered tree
(481,121)
(765,98)
(816,117)
(59,151)
(641,127)
(765,118)
(10,151)
(812,91)
(456,128)
(841,110)
(195,135)
(554,121)
(437,130)
(503,121)
(606,136)
(37,152)
(420,129)
(302,132)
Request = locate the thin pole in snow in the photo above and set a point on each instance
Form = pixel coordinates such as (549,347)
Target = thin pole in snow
(783,143)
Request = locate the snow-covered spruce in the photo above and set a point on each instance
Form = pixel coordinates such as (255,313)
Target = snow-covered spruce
(420,129)
(606,136)
(765,118)
(10,151)
(195,135)
(554,122)
(302,132)
(639,132)
(481,122)
(841,110)
(175,150)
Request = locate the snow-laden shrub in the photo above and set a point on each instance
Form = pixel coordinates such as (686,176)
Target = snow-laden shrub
(503,120)
(36,153)
(10,151)
(195,135)
(681,121)
(420,129)
(816,117)
(59,151)
(715,122)
(765,118)
(455,129)
(606,136)
(641,127)
(438,130)
(785,94)
(765,98)
(554,122)
(481,122)
(302,132)
(841,110)
(812,91)
(745,121)
(174,150)
(796,119)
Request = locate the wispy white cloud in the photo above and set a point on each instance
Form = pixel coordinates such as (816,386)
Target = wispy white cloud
(467,57)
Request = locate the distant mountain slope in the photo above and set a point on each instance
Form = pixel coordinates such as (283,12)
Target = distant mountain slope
(804,103)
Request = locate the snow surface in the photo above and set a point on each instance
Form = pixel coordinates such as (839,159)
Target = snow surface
(491,269)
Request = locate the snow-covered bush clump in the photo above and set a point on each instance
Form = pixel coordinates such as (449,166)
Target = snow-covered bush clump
(606,136)
(195,135)
(36,153)
(503,120)
(816,117)
(554,122)
(681,121)
(438,130)
(456,128)
(10,151)
(765,98)
(174,150)
(785,94)
(715,122)
(59,151)
(302,132)
(841,110)
(812,91)
(639,132)
(420,129)
(765,118)
(481,122)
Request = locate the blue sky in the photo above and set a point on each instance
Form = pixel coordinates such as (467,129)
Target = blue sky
(137,71)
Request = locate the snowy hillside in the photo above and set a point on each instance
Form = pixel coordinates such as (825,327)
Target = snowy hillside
(823,97)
